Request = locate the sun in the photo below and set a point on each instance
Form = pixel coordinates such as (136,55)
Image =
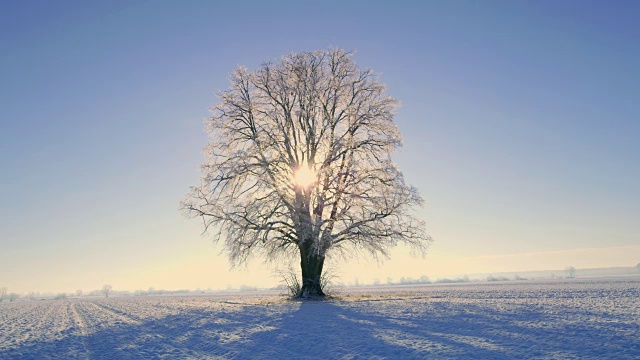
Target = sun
(304,176)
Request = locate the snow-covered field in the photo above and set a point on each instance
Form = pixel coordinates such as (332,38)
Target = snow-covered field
(560,319)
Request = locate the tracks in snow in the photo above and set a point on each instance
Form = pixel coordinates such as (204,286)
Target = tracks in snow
(82,326)
(117,314)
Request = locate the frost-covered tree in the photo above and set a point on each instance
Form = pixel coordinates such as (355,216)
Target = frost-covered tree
(638,267)
(3,292)
(299,164)
(106,290)
(570,271)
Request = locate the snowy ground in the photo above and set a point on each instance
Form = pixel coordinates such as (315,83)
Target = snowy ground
(561,319)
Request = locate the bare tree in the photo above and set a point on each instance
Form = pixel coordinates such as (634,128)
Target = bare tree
(79,292)
(570,271)
(299,164)
(3,292)
(107,289)
(638,267)
(13,296)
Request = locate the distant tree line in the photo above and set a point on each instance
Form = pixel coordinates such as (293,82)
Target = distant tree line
(10,296)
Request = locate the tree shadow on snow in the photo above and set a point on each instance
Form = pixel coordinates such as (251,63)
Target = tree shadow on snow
(339,330)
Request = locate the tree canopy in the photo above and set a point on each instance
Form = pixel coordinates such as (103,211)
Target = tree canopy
(299,161)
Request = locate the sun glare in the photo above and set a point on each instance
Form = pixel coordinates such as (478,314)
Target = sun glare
(304,176)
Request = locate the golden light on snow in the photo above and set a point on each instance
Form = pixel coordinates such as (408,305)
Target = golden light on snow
(304,176)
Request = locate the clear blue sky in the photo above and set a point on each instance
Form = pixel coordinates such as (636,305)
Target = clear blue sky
(521,126)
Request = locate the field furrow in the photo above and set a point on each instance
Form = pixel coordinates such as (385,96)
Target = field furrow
(123,318)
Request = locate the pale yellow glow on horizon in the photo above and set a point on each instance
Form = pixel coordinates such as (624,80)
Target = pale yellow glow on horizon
(201,265)
(182,258)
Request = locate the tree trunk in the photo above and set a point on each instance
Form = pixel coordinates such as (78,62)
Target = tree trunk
(311,265)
